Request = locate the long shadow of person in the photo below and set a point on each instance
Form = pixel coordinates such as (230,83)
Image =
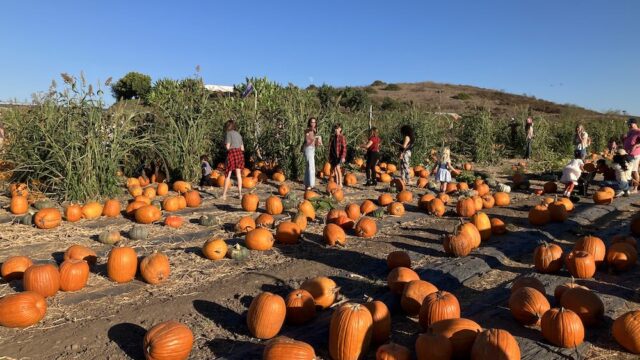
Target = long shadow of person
(129,338)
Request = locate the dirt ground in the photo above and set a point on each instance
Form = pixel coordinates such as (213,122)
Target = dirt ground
(107,320)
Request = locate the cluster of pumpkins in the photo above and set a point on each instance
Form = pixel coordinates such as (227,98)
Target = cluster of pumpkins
(579,307)
(354,327)
(44,280)
(588,254)
(143,207)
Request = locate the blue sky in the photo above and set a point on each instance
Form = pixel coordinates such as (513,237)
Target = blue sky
(583,52)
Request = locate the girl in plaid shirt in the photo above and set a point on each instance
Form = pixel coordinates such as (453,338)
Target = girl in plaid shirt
(235,157)
(337,152)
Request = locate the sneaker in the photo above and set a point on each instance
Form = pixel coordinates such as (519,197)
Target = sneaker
(633,191)
(619,193)
(626,193)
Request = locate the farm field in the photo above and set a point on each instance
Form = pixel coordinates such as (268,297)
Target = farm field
(109,320)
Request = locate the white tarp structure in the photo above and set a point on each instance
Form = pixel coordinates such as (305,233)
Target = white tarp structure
(219,88)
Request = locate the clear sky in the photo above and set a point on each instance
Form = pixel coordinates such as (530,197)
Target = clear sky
(585,52)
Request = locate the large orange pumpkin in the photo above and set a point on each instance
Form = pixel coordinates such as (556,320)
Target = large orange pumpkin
(147,214)
(265,221)
(22,309)
(42,278)
(181,187)
(539,215)
(398,258)
(547,258)
(461,332)
(73,213)
(162,189)
(625,330)
(47,218)
(79,252)
(483,224)
(399,277)
(621,256)
(92,210)
(111,208)
(193,198)
(288,232)
(273,205)
(250,202)
(562,327)
(495,344)
(580,264)
(301,307)
(122,264)
(259,239)
(393,351)
(502,199)
(307,209)
(73,275)
(214,249)
(585,303)
(366,228)
(19,205)
(430,346)
(169,340)
(413,296)
(466,207)
(266,315)
(283,347)
(323,290)
(13,268)
(594,246)
(155,268)
(436,306)
(527,305)
(436,207)
(350,332)
(381,321)
(353,211)
(334,235)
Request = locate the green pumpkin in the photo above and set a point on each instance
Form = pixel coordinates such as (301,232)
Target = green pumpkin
(44,204)
(138,232)
(109,237)
(26,219)
(208,220)
(238,252)
(492,182)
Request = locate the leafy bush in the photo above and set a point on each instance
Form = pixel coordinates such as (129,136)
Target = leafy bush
(132,86)
(354,99)
(392,87)
(378,83)
(389,104)
(461,96)
(70,147)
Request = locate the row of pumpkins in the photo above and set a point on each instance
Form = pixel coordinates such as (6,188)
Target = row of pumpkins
(588,254)
(142,208)
(41,281)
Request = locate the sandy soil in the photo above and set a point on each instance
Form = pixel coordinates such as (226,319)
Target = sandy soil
(107,320)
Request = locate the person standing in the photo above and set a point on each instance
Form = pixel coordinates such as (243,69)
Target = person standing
(632,147)
(443,169)
(528,129)
(235,157)
(337,153)
(571,173)
(373,155)
(311,141)
(408,140)
(205,180)
(581,141)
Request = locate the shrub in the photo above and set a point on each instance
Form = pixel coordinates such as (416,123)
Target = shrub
(389,104)
(354,99)
(392,87)
(72,146)
(378,83)
(132,86)
(461,96)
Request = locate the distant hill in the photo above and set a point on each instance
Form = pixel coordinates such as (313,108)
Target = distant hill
(459,98)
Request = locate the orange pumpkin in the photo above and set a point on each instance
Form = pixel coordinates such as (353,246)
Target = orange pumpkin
(367,207)
(460,332)
(301,307)
(111,208)
(147,214)
(381,329)
(562,327)
(259,239)
(502,199)
(73,275)
(264,221)
(181,187)
(399,277)
(122,264)
(273,205)
(353,211)
(283,190)
(266,315)
(19,205)
(527,305)
(288,232)
(168,340)
(393,352)
(413,295)
(539,215)
(385,199)
(307,209)
(173,221)
(193,198)
(42,278)
(398,258)
(155,268)
(73,213)
(466,207)
(366,228)
(22,309)
(498,227)
(214,249)
(395,209)
(14,267)
(79,252)
(437,306)
(404,196)
(350,331)
(47,218)
(283,347)
(162,189)
(92,210)
(323,290)
(495,344)
(334,235)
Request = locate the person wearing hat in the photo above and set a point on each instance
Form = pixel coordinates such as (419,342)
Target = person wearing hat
(623,172)
(632,148)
